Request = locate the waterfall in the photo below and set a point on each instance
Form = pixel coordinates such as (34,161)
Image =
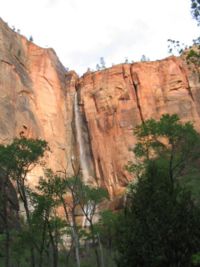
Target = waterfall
(83,143)
(85,155)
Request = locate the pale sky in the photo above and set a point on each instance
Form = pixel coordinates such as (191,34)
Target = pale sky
(82,31)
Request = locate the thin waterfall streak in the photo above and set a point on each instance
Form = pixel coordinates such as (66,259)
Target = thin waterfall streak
(85,162)
(79,137)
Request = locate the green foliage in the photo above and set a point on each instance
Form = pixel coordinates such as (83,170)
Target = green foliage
(144,58)
(41,238)
(175,47)
(193,56)
(107,228)
(102,63)
(178,144)
(87,194)
(160,224)
(17,158)
(195,8)
(31,38)
(196,259)
(158,227)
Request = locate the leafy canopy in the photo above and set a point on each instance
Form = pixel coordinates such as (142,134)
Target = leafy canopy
(160,223)
(195,7)
(21,155)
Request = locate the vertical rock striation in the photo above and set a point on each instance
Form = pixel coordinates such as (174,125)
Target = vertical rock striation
(36,97)
(88,121)
(115,100)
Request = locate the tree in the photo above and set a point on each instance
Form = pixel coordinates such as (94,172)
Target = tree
(74,196)
(63,189)
(106,228)
(144,58)
(177,144)
(191,53)
(175,47)
(44,214)
(89,199)
(195,8)
(45,234)
(126,60)
(9,217)
(98,67)
(102,62)
(16,161)
(31,38)
(159,226)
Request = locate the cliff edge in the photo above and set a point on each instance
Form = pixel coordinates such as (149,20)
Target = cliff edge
(88,121)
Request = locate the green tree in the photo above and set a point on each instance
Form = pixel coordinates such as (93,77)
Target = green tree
(144,58)
(16,161)
(89,199)
(64,190)
(193,54)
(177,144)
(9,216)
(31,38)
(102,63)
(106,228)
(175,47)
(44,214)
(160,223)
(195,8)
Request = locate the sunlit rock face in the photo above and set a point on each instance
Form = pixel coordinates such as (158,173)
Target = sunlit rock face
(91,117)
(117,99)
(36,97)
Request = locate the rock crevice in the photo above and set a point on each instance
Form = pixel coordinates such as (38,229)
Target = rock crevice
(38,97)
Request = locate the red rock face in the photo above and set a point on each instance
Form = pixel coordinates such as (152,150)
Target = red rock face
(37,99)
(115,100)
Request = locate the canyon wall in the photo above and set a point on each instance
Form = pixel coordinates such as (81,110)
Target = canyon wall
(117,99)
(88,121)
(36,98)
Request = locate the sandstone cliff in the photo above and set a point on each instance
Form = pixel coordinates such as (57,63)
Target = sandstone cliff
(88,121)
(115,100)
(36,96)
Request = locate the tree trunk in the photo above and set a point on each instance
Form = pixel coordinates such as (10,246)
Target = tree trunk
(73,231)
(77,249)
(89,216)
(101,251)
(6,224)
(54,247)
(94,245)
(41,250)
(7,249)
(171,173)
(21,190)
(68,255)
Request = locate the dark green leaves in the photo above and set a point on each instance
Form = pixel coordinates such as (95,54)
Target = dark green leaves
(160,223)
(17,157)
(195,8)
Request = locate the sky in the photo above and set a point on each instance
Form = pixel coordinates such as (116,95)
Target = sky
(82,31)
